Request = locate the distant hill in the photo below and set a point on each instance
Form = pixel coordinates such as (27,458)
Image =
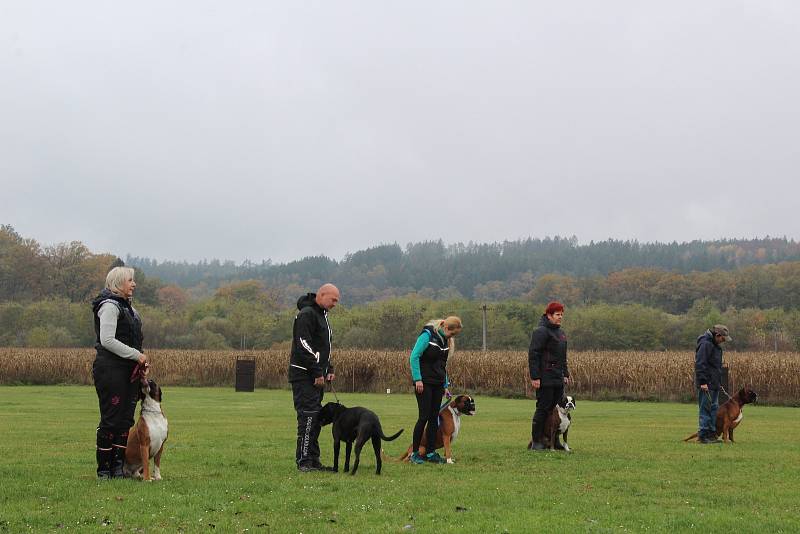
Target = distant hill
(505,269)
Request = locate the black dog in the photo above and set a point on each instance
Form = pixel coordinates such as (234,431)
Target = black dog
(354,424)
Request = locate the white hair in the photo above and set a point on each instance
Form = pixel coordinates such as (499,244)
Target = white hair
(116,277)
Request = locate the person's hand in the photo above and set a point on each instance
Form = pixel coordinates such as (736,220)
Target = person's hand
(536,383)
(567,380)
(330,377)
(319,382)
(704,387)
(142,359)
(419,387)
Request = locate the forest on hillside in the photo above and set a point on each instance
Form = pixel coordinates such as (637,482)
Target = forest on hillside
(499,271)
(620,295)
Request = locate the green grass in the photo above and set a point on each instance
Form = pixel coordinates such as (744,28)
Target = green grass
(228,467)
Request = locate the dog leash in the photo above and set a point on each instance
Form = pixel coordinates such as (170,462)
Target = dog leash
(335,396)
(446,403)
(138,371)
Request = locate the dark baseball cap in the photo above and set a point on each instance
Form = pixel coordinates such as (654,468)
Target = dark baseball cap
(721,330)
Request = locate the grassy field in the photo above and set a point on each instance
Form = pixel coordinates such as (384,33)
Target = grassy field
(228,467)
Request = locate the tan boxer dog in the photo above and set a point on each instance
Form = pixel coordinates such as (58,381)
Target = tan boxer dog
(146,438)
(449,427)
(730,414)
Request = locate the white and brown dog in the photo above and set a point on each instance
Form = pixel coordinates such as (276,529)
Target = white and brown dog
(449,427)
(557,424)
(146,438)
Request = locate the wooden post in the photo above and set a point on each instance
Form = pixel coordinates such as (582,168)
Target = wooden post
(483,308)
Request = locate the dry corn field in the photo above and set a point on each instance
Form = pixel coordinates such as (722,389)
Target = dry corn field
(596,375)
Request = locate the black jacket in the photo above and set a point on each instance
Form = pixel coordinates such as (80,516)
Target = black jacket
(129,325)
(311,341)
(707,362)
(433,360)
(547,355)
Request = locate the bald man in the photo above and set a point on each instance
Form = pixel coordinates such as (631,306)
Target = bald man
(309,367)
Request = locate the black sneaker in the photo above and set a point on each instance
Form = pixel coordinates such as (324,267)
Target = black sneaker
(538,446)
(710,440)
(317,464)
(307,468)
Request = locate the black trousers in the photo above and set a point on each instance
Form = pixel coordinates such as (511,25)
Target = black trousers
(546,399)
(116,394)
(428,403)
(307,403)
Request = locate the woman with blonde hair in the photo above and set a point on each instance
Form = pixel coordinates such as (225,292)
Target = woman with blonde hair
(118,341)
(429,373)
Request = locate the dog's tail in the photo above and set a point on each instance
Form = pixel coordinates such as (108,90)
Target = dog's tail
(693,436)
(392,437)
(386,458)
(405,456)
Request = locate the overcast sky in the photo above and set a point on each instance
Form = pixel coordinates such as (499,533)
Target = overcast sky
(277,130)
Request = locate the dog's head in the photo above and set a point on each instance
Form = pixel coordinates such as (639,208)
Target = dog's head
(330,413)
(747,395)
(150,389)
(464,404)
(567,403)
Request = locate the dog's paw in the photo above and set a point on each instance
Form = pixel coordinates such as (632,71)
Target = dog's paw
(450,461)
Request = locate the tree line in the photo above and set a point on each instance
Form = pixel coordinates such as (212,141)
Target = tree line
(241,318)
(44,295)
(494,271)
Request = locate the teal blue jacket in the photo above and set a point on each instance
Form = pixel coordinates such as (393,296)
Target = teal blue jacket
(419,347)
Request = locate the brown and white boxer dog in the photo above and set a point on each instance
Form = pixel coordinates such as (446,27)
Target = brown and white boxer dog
(146,438)
(449,427)
(558,423)
(730,414)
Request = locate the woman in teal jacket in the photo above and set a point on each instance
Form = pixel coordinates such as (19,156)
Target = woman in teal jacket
(429,373)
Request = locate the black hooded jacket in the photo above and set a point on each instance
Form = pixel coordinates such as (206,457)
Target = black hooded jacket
(129,324)
(311,341)
(547,355)
(708,362)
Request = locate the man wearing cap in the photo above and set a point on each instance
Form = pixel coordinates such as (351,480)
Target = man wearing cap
(547,364)
(707,373)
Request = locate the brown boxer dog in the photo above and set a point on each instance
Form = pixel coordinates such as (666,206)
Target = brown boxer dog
(730,414)
(146,438)
(449,427)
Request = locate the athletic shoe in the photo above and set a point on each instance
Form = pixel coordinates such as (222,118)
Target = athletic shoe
(706,441)
(434,458)
(307,468)
(538,446)
(317,464)
(415,458)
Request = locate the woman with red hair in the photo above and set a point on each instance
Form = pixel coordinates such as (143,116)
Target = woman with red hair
(547,363)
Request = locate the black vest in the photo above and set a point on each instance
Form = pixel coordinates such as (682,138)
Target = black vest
(433,361)
(129,324)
